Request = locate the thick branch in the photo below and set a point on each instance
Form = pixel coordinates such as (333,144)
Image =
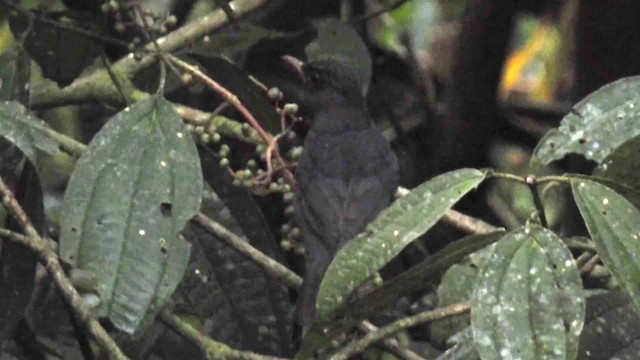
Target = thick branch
(98,87)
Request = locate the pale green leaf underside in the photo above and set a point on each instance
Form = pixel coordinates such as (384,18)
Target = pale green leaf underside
(614,225)
(133,190)
(596,126)
(528,301)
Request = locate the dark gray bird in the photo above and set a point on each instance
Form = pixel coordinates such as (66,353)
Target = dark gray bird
(346,174)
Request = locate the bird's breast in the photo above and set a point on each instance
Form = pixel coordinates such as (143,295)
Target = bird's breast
(349,154)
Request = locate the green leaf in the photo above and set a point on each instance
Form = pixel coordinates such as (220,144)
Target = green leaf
(60,52)
(456,286)
(416,279)
(614,225)
(132,192)
(24,130)
(614,107)
(528,302)
(397,226)
(623,164)
(612,329)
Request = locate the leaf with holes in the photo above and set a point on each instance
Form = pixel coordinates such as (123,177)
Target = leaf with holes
(613,224)
(528,301)
(397,226)
(132,192)
(614,107)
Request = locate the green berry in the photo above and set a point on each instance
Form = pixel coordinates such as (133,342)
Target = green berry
(286,245)
(288,197)
(275,94)
(290,109)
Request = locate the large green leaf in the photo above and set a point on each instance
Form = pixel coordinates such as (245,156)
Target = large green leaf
(396,227)
(614,107)
(614,225)
(623,164)
(24,131)
(528,302)
(133,190)
(60,52)
(412,281)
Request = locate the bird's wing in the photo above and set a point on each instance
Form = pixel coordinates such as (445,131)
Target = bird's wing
(336,211)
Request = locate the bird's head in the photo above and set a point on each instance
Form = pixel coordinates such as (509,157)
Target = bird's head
(328,82)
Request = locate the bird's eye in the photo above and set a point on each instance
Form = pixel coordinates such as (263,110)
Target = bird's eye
(314,78)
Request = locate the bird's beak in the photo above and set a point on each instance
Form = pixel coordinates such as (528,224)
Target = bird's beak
(295,64)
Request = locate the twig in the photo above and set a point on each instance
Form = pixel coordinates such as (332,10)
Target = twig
(213,349)
(235,102)
(360,345)
(391,343)
(537,201)
(151,38)
(502,210)
(462,221)
(50,261)
(226,95)
(468,223)
(114,77)
(273,267)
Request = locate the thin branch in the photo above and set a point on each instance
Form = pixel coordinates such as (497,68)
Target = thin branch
(235,102)
(390,343)
(358,346)
(50,261)
(223,124)
(213,349)
(281,272)
(226,95)
(503,210)
(467,223)
(461,221)
(114,77)
(532,182)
